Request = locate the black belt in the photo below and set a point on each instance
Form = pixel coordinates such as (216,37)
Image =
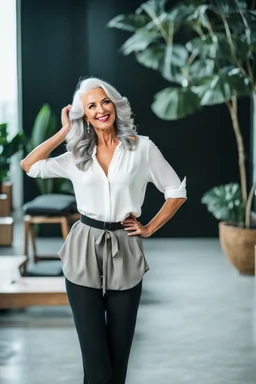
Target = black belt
(101,224)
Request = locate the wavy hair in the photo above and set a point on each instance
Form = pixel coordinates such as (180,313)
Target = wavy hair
(81,143)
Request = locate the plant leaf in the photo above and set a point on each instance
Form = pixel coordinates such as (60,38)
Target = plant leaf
(40,127)
(181,12)
(205,47)
(201,68)
(8,148)
(179,55)
(221,87)
(129,23)
(152,7)
(218,47)
(52,126)
(166,59)
(200,15)
(14,145)
(228,7)
(175,103)
(152,56)
(3,133)
(174,60)
(225,203)
(139,41)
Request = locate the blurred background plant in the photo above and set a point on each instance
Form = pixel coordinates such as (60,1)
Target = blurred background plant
(207,51)
(225,203)
(8,148)
(44,127)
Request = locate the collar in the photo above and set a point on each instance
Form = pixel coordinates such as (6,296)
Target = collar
(94,151)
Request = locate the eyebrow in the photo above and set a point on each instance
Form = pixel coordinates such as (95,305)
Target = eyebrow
(93,102)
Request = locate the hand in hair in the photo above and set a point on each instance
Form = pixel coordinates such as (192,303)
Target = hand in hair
(65,117)
(43,150)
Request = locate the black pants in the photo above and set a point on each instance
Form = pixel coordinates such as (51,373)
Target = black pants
(105,327)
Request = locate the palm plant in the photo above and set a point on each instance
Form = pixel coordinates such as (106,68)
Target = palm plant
(207,51)
(43,128)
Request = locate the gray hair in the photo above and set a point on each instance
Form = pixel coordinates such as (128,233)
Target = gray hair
(81,143)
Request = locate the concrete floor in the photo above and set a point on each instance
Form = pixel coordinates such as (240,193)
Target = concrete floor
(196,324)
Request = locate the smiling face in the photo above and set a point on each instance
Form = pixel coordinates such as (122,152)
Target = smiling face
(99,109)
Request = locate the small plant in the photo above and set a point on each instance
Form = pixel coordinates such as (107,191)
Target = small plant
(8,148)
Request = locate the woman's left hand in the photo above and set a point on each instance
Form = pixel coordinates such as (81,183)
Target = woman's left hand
(131,224)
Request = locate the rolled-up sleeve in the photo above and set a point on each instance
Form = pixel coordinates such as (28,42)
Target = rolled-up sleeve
(52,167)
(163,175)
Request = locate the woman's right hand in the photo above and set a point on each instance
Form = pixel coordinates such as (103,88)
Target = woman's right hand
(65,117)
(43,150)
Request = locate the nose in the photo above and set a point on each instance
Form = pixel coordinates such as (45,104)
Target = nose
(100,109)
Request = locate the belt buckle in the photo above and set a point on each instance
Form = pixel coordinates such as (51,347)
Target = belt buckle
(106,226)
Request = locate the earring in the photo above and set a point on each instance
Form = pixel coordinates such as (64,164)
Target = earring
(88,127)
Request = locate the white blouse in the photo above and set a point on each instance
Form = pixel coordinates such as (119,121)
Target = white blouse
(114,197)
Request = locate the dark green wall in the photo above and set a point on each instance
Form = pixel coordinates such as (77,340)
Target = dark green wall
(63,40)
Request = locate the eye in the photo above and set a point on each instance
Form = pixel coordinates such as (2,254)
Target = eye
(106,101)
(92,105)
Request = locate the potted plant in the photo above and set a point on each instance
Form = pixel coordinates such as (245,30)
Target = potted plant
(215,64)
(238,242)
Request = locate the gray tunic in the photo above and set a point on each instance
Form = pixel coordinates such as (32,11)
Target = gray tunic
(103,259)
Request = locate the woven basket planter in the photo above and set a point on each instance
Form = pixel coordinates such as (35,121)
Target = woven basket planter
(238,245)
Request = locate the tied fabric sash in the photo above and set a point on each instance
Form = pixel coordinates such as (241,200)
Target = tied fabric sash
(104,237)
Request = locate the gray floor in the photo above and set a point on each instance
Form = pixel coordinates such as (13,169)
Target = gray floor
(196,324)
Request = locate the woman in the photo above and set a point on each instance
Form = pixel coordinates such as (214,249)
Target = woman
(102,257)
